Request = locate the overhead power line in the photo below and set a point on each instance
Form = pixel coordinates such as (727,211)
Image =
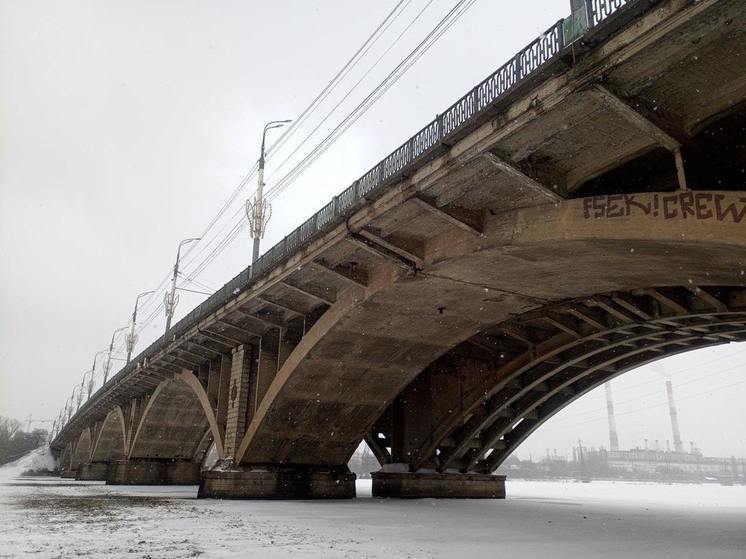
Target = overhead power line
(223,242)
(649,406)
(208,251)
(450,18)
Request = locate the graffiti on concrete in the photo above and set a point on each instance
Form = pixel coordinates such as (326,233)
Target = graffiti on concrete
(701,206)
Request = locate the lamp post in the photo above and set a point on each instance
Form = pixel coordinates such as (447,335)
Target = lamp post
(82,384)
(80,396)
(259,211)
(107,363)
(69,407)
(171,298)
(93,370)
(132,337)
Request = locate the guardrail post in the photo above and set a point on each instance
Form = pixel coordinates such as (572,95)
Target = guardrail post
(518,67)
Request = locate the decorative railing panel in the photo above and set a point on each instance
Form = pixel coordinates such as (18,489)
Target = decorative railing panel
(601,9)
(542,49)
(497,84)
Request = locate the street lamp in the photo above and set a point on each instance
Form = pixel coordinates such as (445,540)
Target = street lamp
(93,370)
(132,337)
(107,364)
(171,299)
(259,211)
(69,407)
(72,398)
(82,384)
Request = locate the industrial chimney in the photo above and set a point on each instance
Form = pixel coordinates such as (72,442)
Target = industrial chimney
(613,439)
(677,446)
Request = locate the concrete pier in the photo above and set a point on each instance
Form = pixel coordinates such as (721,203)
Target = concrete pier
(93,471)
(434,485)
(153,472)
(279,482)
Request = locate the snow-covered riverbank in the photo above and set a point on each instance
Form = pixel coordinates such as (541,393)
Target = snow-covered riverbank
(49,517)
(39,459)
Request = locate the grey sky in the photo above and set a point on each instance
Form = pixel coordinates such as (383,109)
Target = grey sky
(124,126)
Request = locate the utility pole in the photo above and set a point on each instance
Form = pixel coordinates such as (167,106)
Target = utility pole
(171,298)
(132,337)
(259,211)
(107,364)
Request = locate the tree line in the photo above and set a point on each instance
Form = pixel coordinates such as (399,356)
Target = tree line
(15,442)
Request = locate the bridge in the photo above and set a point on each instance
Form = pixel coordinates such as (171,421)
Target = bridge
(580,212)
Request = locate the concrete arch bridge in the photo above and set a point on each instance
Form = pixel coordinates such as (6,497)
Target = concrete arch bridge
(579,213)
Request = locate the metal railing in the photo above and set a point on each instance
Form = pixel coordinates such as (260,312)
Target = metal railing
(417,150)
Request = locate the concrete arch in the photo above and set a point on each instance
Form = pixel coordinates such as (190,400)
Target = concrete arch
(547,359)
(173,422)
(82,452)
(319,406)
(284,376)
(199,391)
(111,443)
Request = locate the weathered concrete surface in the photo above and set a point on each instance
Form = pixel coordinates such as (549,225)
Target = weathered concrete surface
(153,472)
(69,474)
(93,471)
(419,485)
(279,482)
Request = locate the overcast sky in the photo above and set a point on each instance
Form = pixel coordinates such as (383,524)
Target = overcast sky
(125,126)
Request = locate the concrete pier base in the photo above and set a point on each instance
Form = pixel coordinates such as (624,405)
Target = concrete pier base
(153,472)
(279,482)
(434,485)
(69,474)
(95,471)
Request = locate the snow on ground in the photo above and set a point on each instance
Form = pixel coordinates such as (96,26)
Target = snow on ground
(39,459)
(49,517)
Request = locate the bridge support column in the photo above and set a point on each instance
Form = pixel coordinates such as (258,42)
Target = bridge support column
(153,472)
(279,482)
(416,485)
(93,471)
(238,399)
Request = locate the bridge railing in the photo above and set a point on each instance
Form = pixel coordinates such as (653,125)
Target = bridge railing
(421,147)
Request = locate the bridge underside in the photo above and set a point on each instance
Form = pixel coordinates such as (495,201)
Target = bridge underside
(594,222)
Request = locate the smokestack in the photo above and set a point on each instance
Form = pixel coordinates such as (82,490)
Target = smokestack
(613,439)
(677,446)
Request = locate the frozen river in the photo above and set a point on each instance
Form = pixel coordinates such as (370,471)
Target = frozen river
(58,518)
